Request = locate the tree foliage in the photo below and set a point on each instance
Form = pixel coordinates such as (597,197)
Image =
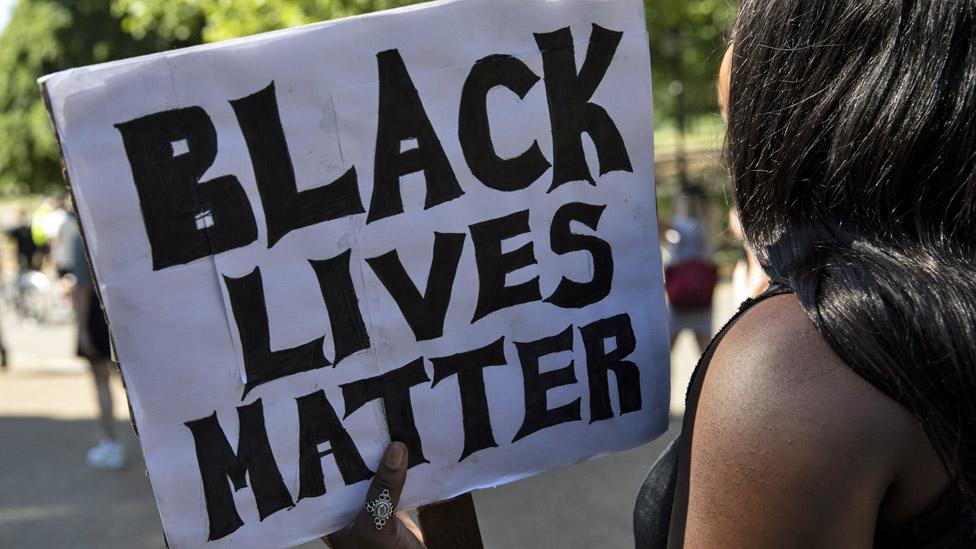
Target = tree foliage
(45,36)
(687,43)
(222,19)
(48,35)
(687,36)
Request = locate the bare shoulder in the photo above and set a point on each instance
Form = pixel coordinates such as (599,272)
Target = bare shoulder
(790,446)
(773,370)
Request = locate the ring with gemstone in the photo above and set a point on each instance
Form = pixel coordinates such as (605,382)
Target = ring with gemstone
(381,509)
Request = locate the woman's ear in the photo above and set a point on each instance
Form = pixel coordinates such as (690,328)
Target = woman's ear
(724,82)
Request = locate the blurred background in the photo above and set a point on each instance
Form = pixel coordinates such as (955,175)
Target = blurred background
(52,494)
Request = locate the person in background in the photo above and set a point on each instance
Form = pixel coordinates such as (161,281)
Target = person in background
(23,242)
(38,232)
(690,276)
(62,246)
(93,345)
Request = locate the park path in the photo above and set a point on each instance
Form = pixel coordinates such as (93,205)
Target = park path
(50,499)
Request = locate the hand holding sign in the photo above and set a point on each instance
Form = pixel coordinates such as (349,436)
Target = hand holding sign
(398,533)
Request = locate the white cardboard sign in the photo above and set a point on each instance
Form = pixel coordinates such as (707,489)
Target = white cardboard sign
(434,224)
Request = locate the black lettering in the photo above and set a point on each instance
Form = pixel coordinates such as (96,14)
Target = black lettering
(345,318)
(185,218)
(318,424)
(393,388)
(402,117)
(251,315)
(469,368)
(474,131)
(570,111)
(493,265)
(286,209)
(599,363)
(253,460)
(538,416)
(576,295)
(424,313)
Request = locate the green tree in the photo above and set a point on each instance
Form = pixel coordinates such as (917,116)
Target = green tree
(229,19)
(45,36)
(48,35)
(687,36)
(687,43)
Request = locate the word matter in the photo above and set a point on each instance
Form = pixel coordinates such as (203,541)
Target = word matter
(319,424)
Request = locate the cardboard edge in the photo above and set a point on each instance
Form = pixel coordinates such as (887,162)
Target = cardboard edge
(46,98)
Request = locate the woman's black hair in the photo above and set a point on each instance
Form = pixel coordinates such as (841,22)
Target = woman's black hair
(852,146)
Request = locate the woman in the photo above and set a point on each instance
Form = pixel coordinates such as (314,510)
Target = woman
(839,408)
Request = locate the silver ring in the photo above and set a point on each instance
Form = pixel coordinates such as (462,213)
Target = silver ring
(381,509)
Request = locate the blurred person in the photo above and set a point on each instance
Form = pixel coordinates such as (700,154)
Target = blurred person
(38,234)
(690,276)
(93,345)
(52,221)
(51,224)
(838,409)
(47,220)
(62,246)
(23,241)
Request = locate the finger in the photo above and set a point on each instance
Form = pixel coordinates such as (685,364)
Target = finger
(389,479)
(396,535)
(410,525)
(391,473)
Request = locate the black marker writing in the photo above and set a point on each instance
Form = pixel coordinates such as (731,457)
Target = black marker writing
(393,388)
(424,313)
(286,209)
(185,218)
(538,415)
(262,365)
(318,424)
(253,460)
(493,265)
(570,110)
(474,133)
(469,368)
(402,117)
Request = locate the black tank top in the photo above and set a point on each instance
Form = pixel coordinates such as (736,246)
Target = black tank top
(662,502)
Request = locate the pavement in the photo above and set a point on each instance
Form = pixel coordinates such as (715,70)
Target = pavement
(49,498)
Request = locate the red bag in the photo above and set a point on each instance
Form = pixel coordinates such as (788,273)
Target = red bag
(690,284)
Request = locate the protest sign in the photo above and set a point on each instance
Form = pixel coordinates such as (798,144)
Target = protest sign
(434,225)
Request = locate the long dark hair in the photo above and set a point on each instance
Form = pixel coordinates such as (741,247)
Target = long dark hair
(852,146)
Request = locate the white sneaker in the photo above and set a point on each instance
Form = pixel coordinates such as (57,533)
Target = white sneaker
(109,454)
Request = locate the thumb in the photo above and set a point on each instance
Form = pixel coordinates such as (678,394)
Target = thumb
(384,492)
(376,525)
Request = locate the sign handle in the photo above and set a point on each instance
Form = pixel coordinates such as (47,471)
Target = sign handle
(451,524)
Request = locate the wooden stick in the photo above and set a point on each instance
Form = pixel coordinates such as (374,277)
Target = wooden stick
(451,524)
